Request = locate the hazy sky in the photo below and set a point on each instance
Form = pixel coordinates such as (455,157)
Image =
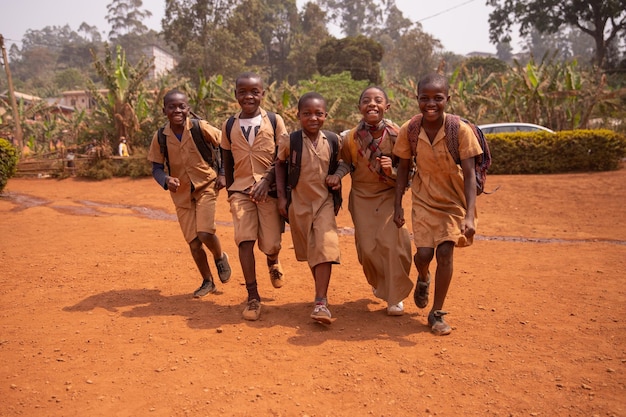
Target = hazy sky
(461,25)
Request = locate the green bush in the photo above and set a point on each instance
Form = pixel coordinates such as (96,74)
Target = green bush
(8,162)
(550,153)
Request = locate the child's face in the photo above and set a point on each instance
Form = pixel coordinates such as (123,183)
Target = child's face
(432,99)
(312,115)
(373,105)
(249,93)
(176,108)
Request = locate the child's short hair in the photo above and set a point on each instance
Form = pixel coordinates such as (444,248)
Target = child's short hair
(249,75)
(374,87)
(310,96)
(172,92)
(434,79)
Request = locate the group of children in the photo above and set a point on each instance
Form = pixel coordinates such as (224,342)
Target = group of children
(272,176)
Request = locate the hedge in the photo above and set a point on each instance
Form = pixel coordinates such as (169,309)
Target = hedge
(560,152)
(8,162)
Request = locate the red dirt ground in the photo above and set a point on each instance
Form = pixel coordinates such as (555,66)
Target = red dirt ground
(98,320)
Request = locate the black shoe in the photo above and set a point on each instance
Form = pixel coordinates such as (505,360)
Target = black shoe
(437,324)
(420,296)
(207,287)
(223,268)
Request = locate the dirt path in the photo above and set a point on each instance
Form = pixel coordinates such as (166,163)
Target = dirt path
(97,317)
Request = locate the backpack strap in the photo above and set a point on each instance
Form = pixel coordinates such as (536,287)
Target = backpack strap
(334,151)
(209,153)
(413,132)
(163,145)
(229,126)
(295,159)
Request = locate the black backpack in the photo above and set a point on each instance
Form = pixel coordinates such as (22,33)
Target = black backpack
(295,163)
(210,153)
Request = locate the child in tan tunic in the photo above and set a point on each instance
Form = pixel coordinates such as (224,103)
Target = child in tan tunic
(443,195)
(383,250)
(311,212)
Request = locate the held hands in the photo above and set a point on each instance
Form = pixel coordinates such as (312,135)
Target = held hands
(386,165)
(173,184)
(220,182)
(333,181)
(259,191)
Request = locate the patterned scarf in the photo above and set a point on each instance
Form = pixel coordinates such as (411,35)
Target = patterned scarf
(369,148)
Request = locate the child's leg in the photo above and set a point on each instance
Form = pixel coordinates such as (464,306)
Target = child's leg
(212,242)
(443,276)
(199,257)
(321,275)
(422,259)
(248,267)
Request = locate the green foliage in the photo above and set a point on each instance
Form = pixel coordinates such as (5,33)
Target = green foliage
(359,55)
(342,93)
(551,153)
(8,162)
(603,20)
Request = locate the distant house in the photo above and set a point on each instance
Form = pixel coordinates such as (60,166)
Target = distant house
(79,99)
(53,105)
(164,62)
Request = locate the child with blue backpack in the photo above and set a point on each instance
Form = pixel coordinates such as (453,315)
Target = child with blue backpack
(443,191)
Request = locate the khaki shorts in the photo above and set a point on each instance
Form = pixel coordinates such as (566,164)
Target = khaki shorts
(200,217)
(256,221)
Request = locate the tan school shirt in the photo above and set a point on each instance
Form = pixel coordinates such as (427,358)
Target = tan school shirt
(252,161)
(438,197)
(185,161)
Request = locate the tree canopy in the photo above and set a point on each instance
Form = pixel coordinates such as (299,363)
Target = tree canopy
(603,20)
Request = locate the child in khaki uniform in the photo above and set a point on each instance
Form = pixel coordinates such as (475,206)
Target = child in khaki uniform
(311,212)
(443,195)
(193,186)
(248,158)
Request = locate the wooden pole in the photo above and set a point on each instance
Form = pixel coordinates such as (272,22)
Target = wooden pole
(19,135)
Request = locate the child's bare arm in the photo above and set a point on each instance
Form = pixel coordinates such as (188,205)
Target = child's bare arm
(402,180)
(468,228)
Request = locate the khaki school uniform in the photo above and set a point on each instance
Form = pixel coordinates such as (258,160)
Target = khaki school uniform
(254,221)
(383,249)
(437,190)
(311,212)
(195,208)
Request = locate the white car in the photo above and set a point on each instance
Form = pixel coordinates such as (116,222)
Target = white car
(512,127)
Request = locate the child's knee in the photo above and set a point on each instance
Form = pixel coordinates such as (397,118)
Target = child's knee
(206,238)
(423,256)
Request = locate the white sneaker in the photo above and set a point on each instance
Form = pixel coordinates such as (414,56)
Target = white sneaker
(395,309)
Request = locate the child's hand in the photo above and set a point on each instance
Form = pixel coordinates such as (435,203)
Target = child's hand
(282,207)
(173,184)
(220,182)
(333,181)
(398,217)
(468,228)
(259,191)
(385,164)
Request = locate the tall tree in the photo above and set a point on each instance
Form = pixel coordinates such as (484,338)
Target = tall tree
(603,20)
(353,17)
(309,37)
(198,30)
(126,16)
(358,55)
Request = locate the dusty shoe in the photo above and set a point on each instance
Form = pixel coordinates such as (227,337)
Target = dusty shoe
(420,296)
(437,324)
(395,309)
(223,268)
(276,275)
(322,314)
(208,286)
(252,311)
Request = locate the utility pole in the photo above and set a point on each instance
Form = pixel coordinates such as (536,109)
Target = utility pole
(19,135)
